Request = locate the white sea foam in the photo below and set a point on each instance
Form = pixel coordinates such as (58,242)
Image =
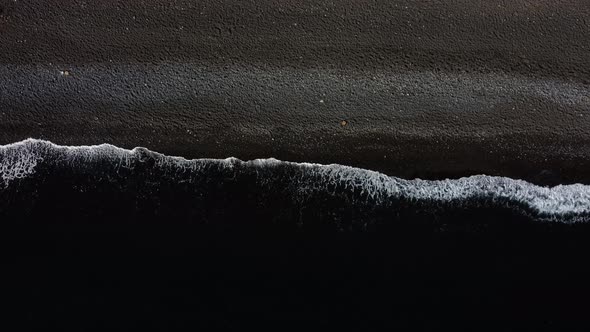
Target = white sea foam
(563,202)
(17,161)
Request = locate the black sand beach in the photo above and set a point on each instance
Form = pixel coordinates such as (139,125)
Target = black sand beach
(491,94)
(429,89)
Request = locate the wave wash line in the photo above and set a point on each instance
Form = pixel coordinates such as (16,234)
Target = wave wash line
(569,203)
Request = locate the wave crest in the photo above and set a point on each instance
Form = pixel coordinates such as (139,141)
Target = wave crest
(304,182)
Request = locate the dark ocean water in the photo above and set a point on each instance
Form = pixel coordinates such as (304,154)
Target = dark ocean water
(105,238)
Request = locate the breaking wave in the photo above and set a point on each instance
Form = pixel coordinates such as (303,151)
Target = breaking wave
(297,191)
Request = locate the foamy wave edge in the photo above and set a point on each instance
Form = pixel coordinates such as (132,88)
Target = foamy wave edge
(564,203)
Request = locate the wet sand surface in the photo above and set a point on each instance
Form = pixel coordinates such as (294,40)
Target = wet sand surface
(428,89)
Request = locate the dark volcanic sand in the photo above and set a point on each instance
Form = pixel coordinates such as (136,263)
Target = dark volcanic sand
(411,88)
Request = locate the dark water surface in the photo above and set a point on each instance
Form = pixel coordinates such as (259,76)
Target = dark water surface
(104,238)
